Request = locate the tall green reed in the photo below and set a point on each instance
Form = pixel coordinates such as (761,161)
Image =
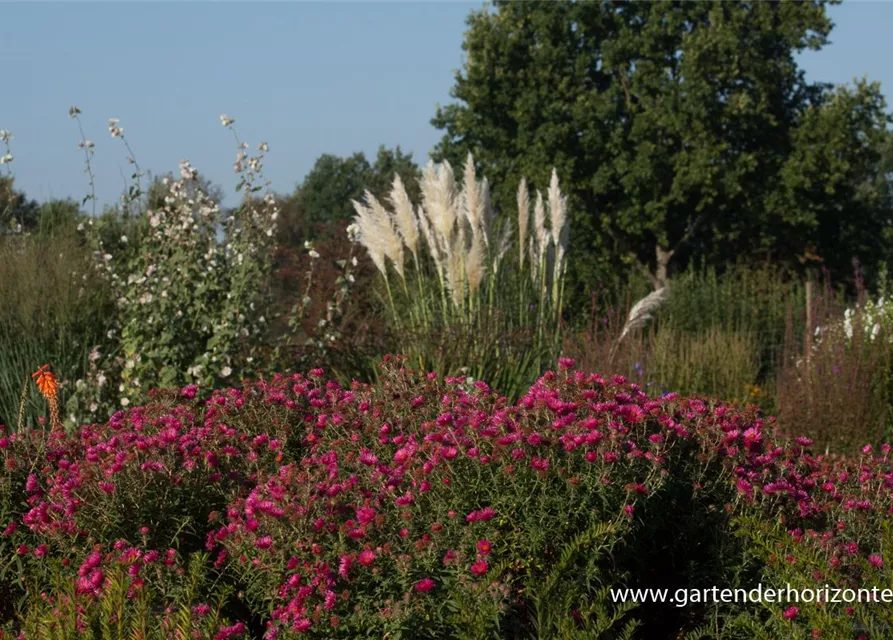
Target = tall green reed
(54,310)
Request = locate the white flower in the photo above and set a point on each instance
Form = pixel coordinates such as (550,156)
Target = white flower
(225,120)
(5,136)
(73,111)
(263,146)
(6,159)
(225,371)
(353,232)
(81,226)
(124,402)
(313,254)
(124,239)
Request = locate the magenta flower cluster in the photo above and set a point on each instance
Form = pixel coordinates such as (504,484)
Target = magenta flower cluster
(365,507)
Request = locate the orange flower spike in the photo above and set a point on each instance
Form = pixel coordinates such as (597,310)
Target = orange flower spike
(46,382)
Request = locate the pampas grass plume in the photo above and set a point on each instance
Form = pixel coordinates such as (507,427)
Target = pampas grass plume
(407,224)
(523,218)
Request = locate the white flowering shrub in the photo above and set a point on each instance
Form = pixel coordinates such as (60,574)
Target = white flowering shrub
(191,297)
(873,318)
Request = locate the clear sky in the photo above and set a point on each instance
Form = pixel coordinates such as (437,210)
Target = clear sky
(309,78)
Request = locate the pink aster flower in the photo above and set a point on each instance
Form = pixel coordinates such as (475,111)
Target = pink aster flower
(264,543)
(791,612)
(481,515)
(540,464)
(344,566)
(752,436)
(480,567)
(424,585)
(366,558)
(365,515)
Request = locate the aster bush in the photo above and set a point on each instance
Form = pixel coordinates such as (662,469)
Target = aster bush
(823,523)
(425,506)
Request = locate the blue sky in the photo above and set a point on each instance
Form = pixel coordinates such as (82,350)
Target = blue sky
(309,78)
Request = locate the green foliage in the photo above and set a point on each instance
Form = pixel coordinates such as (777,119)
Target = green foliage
(326,191)
(18,214)
(181,608)
(680,130)
(192,294)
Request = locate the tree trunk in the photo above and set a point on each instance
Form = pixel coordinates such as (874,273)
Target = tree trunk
(661,278)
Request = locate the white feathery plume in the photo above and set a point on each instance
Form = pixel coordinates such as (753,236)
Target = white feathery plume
(523,218)
(539,226)
(369,237)
(433,248)
(439,195)
(559,229)
(557,208)
(534,259)
(643,311)
(385,232)
(474,262)
(471,195)
(454,279)
(407,225)
(563,242)
(505,243)
(487,210)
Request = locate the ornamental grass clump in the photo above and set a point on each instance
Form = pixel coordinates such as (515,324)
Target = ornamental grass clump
(456,299)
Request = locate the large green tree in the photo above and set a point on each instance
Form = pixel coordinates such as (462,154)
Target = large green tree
(17,212)
(678,129)
(325,194)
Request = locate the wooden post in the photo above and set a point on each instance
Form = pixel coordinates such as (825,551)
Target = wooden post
(807,345)
(807,342)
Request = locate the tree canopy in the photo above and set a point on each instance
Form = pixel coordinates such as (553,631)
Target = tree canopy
(679,131)
(325,194)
